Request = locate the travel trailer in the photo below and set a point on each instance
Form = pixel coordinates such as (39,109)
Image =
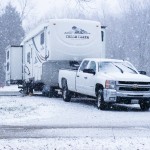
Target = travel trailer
(14,64)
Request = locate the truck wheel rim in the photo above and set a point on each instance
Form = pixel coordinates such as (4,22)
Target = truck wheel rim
(64,94)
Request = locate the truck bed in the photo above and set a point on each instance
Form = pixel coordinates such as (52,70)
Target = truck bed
(70,75)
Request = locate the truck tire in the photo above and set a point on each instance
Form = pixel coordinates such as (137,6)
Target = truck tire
(144,106)
(100,100)
(65,92)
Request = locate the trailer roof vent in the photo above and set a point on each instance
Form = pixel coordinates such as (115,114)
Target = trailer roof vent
(103,27)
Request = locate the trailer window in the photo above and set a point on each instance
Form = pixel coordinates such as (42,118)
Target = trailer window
(28,57)
(42,38)
(7,66)
(8,55)
(102,34)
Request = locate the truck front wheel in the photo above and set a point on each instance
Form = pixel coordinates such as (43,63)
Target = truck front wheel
(144,106)
(65,92)
(100,100)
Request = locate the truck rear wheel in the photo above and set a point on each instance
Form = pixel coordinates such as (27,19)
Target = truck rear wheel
(65,92)
(100,100)
(144,106)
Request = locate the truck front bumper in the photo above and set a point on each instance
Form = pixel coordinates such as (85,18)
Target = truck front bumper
(111,95)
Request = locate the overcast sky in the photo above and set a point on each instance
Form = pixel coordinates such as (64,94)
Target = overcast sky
(42,8)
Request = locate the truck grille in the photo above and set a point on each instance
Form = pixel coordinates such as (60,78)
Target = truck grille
(133,89)
(130,82)
(133,86)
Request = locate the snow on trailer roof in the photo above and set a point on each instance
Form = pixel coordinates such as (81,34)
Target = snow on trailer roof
(41,27)
(73,20)
(34,32)
(9,46)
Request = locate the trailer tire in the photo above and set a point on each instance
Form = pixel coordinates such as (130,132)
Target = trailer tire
(51,92)
(25,88)
(144,106)
(100,100)
(65,92)
(30,88)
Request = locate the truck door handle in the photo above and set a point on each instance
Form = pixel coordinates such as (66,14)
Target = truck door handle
(78,76)
(85,77)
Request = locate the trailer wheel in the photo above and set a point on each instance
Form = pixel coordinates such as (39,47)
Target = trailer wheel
(30,91)
(100,100)
(144,106)
(25,88)
(51,92)
(65,92)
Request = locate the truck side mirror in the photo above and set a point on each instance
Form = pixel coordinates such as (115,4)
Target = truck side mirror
(142,72)
(91,71)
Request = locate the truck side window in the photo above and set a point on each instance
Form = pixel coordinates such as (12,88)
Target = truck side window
(28,57)
(84,65)
(92,66)
(42,38)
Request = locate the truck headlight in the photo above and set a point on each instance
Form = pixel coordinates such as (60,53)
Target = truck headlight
(110,84)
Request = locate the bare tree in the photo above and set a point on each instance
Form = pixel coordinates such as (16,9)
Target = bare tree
(26,8)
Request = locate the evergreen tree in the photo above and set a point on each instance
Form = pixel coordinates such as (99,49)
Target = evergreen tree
(11,33)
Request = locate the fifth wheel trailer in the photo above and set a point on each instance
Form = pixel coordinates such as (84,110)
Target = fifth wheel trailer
(60,43)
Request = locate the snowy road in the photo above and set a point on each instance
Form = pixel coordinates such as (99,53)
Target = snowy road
(14,132)
(50,123)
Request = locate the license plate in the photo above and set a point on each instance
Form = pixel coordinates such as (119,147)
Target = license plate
(134,101)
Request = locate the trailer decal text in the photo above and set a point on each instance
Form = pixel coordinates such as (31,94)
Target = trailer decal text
(77,33)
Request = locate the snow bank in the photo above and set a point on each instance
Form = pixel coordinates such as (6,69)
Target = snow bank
(12,88)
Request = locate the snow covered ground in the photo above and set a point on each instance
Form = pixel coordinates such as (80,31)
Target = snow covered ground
(51,123)
(37,110)
(76,144)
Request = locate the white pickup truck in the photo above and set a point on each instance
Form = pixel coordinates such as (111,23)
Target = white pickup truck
(107,80)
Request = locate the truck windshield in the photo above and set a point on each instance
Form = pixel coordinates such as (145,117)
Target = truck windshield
(120,67)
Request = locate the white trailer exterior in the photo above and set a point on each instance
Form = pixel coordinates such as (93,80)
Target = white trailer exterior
(53,45)
(14,64)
